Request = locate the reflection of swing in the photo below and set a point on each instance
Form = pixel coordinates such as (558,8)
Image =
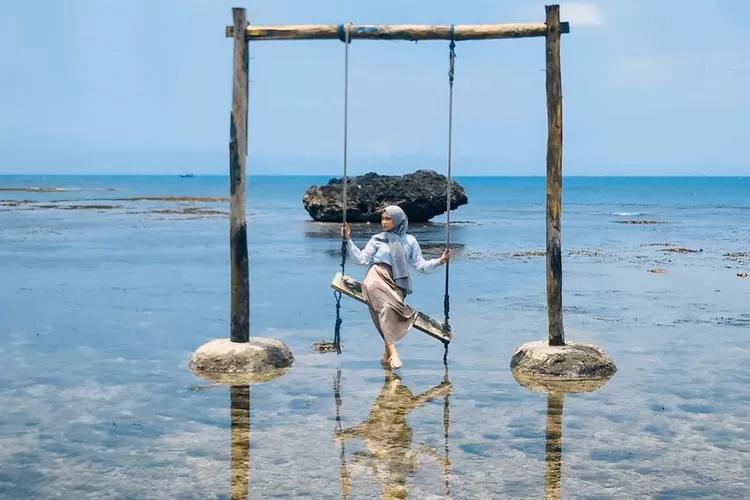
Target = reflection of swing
(387,435)
(343,284)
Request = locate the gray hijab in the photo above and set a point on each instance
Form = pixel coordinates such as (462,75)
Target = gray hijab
(399,262)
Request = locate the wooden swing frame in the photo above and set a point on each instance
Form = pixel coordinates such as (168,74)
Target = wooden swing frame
(242,33)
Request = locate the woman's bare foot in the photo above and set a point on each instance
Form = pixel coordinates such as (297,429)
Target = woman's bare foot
(392,356)
(395,361)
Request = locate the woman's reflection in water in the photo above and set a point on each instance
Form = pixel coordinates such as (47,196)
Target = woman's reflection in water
(388,437)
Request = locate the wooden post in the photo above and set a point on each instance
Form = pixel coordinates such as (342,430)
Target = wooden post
(240,281)
(555,332)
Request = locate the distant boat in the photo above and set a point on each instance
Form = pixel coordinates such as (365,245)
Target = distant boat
(186,175)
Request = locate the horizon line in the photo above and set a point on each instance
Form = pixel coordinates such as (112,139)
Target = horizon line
(337,176)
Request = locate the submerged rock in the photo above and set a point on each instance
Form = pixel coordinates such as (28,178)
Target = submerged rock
(640,222)
(422,195)
(681,250)
(737,255)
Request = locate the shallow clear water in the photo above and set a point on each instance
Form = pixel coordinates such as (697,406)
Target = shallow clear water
(102,309)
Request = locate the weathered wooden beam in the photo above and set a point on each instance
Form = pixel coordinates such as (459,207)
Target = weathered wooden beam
(555,331)
(240,278)
(397,32)
(353,288)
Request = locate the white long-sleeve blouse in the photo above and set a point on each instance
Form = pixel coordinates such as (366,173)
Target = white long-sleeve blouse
(376,252)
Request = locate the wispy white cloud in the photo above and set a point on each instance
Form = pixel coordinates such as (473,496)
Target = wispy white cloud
(582,14)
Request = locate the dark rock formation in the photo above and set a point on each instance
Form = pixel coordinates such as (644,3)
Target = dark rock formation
(640,222)
(422,195)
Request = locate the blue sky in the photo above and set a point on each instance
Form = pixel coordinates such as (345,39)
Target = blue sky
(103,86)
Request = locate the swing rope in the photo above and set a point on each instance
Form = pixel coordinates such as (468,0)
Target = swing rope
(451,72)
(343,33)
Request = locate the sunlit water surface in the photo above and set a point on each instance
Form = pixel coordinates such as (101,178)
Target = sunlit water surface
(102,309)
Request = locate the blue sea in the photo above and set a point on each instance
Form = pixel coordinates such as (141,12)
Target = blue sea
(107,287)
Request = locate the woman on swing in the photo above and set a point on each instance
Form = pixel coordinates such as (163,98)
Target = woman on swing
(387,282)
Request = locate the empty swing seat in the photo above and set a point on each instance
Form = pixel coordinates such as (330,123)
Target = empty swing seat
(353,288)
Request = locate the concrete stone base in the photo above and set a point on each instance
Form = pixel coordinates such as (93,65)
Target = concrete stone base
(573,361)
(260,359)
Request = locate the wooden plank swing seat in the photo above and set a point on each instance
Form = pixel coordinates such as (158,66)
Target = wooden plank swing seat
(353,288)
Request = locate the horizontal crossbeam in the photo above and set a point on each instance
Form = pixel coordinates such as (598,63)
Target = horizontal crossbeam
(397,32)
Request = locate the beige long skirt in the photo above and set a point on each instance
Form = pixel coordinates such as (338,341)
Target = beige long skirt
(391,316)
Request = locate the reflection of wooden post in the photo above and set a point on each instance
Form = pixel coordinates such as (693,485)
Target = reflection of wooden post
(240,451)
(555,332)
(556,390)
(240,328)
(553,448)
